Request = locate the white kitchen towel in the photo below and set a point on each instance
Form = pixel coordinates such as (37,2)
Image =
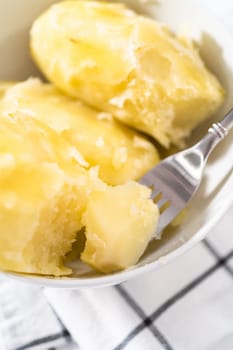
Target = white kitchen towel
(27,320)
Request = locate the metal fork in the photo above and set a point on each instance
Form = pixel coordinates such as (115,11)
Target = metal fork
(175,180)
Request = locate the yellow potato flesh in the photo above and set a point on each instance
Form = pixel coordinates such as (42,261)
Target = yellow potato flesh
(122,154)
(4,86)
(43,193)
(119,224)
(127,65)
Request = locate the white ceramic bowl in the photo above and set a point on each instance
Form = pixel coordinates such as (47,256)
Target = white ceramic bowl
(216,192)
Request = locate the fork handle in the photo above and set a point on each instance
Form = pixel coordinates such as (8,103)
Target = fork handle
(216,133)
(222,128)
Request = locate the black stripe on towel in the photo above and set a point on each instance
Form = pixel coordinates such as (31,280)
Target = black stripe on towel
(148,322)
(172,300)
(45,340)
(217,256)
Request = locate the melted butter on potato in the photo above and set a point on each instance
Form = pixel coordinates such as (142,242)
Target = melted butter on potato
(126,64)
(120,153)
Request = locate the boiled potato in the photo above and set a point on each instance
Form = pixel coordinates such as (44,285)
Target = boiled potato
(44,190)
(122,154)
(126,64)
(44,202)
(120,222)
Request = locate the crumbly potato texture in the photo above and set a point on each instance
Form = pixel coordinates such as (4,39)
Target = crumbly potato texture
(45,193)
(44,190)
(119,225)
(121,154)
(128,65)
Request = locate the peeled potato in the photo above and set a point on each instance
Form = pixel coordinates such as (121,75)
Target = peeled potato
(126,64)
(44,190)
(122,154)
(119,224)
(44,203)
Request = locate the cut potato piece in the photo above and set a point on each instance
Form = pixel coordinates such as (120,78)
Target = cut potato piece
(126,64)
(44,203)
(44,191)
(122,154)
(119,224)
